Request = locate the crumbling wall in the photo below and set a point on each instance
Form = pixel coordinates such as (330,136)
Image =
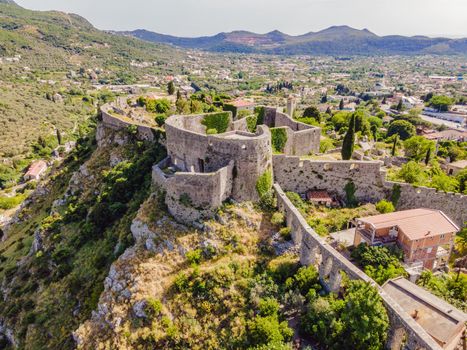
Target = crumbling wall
(330,263)
(113,122)
(303,139)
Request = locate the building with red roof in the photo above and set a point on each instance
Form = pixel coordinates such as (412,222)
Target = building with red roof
(425,235)
(36,170)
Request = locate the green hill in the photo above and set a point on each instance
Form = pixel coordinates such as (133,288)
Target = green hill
(45,53)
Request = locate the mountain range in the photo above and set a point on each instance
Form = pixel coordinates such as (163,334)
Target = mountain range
(335,40)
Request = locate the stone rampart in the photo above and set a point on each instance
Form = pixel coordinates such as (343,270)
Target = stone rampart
(195,196)
(303,139)
(454,205)
(300,175)
(192,150)
(330,263)
(297,175)
(144,132)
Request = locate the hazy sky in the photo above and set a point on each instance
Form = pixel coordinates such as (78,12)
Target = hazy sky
(206,17)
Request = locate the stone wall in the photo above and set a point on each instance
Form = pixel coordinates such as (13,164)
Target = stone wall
(113,122)
(330,263)
(195,196)
(194,151)
(303,139)
(454,205)
(297,175)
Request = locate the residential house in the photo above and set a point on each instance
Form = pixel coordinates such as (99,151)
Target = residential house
(425,235)
(36,170)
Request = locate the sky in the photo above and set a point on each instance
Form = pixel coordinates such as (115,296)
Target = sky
(207,17)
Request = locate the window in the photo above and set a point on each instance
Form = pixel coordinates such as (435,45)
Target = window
(429,250)
(442,236)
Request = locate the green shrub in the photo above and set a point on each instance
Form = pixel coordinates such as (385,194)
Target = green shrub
(160,119)
(283,267)
(11,202)
(218,121)
(306,278)
(268,307)
(384,206)
(153,307)
(285,233)
(194,256)
(264,183)
(252,123)
(265,330)
(277,218)
(211,131)
(278,139)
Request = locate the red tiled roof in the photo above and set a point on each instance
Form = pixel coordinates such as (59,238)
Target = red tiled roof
(36,168)
(415,223)
(319,196)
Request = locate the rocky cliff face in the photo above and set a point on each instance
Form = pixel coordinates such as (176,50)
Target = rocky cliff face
(58,251)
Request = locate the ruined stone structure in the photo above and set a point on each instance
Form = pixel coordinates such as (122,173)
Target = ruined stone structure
(298,175)
(201,171)
(302,139)
(208,169)
(330,263)
(143,132)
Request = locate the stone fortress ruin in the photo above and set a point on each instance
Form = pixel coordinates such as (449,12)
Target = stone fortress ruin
(205,167)
(202,170)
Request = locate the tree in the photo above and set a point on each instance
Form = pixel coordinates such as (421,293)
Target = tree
(324,99)
(428,156)
(416,148)
(328,110)
(171,88)
(412,173)
(441,103)
(400,105)
(349,140)
(374,132)
(394,146)
(341,105)
(383,101)
(462,179)
(59,137)
(402,128)
(179,95)
(311,112)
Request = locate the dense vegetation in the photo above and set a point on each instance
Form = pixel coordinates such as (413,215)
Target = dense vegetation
(57,285)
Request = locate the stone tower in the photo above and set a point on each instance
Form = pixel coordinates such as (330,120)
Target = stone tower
(290,105)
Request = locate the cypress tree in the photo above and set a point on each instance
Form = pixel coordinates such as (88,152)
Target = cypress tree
(400,105)
(428,156)
(349,140)
(171,88)
(394,146)
(341,105)
(59,137)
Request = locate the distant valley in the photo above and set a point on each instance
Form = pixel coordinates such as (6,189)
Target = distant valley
(336,40)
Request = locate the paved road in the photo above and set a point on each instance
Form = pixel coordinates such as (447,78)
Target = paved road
(442,122)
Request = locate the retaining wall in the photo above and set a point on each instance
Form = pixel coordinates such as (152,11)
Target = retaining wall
(330,263)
